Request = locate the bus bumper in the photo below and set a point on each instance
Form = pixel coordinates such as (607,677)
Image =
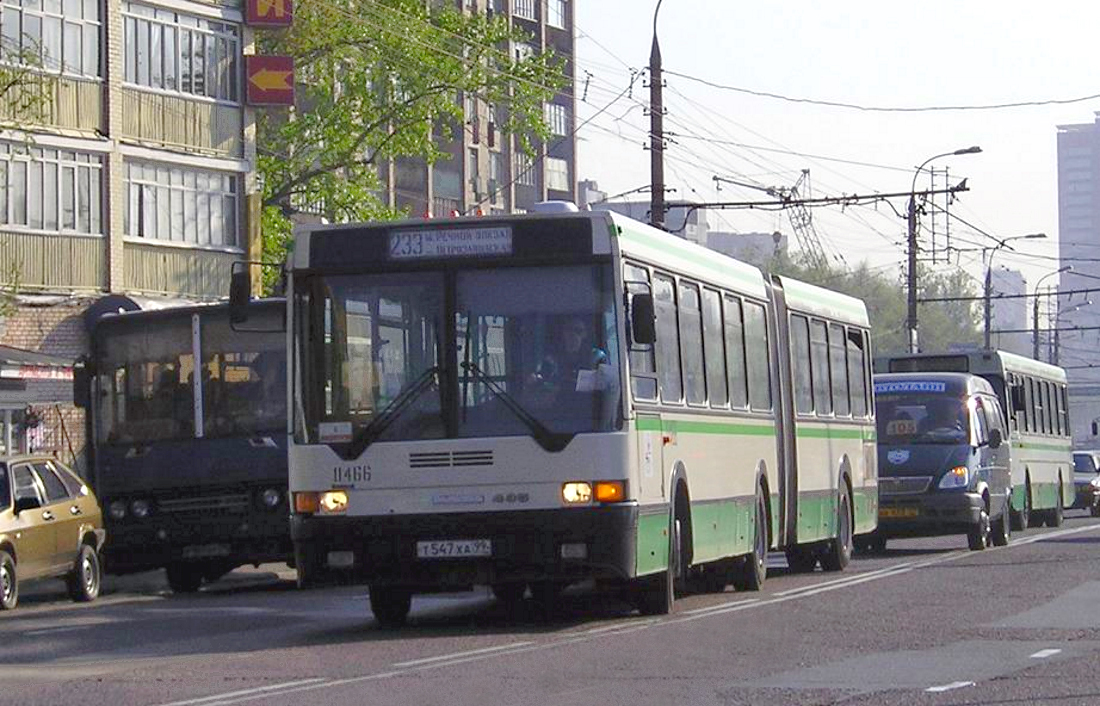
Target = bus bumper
(526,546)
(943,512)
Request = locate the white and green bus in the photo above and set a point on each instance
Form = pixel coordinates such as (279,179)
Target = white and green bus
(1033,397)
(536,400)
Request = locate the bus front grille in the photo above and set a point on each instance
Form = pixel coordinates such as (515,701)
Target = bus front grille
(209,504)
(450,459)
(903,485)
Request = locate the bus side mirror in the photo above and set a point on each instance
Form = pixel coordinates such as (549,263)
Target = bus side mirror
(643,326)
(82,380)
(240,292)
(995,438)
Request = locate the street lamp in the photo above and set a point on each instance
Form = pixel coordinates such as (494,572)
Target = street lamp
(656,132)
(911,322)
(1035,310)
(1002,243)
(1054,354)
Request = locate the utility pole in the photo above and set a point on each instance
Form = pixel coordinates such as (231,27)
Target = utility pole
(656,133)
(1035,327)
(988,303)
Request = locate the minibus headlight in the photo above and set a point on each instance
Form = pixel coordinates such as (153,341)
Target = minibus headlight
(270,497)
(577,492)
(334,501)
(957,477)
(140,508)
(118,509)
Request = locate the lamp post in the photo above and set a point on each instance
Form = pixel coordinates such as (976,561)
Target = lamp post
(1035,310)
(911,321)
(988,293)
(1055,354)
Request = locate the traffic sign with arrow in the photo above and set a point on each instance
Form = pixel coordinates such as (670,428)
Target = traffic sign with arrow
(270,80)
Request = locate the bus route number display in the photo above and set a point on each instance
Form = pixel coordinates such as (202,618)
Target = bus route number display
(450,242)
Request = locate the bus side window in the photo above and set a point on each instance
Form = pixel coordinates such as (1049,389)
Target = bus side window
(819,365)
(756,346)
(691,344)
(857,372)
(713,349)
(800,356)
(1063,411)
(735,354)
(643,368)
(668,340)
(839,365)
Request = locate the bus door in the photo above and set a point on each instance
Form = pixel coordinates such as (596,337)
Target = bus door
(784,415)
(643,386)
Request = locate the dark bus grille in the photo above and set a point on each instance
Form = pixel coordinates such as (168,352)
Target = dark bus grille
(206,505)
(903,485)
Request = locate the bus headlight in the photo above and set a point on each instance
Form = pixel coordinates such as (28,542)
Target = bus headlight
(140,508)
(957,477)
(118,509)
(576,492)
(270,497)
(334,501)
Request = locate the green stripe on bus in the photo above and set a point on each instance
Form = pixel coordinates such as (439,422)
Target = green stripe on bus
(1040,447)
(828,433)
(677,426)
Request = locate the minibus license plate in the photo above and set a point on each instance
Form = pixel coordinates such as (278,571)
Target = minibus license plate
(454,548)
(898,512)
(205,551)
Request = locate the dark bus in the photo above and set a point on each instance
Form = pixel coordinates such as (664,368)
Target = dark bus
(190,469)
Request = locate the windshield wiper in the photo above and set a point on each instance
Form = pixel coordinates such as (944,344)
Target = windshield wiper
(389,414)
(551,441)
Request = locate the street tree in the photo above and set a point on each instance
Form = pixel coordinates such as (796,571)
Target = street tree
(380,80)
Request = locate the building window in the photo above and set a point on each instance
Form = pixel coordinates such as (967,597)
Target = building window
(181,205)
(525,170)
(51,190)
(473,173)
(525,9)
(65,32)
(181,53)
(496,173)
(557,117)
(557,174)
(555,13)
(522,51)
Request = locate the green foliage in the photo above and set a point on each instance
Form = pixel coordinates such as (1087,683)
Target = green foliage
(378,80)
(26,92)
(942,325)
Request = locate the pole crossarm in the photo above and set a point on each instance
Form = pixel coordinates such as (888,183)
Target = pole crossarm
(1064,328)
(979,298)
(844,200)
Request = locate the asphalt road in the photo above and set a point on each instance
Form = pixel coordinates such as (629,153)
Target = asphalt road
(928,622)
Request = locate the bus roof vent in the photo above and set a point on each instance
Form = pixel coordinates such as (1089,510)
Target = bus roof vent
(554,207)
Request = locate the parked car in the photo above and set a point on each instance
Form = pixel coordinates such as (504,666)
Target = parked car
(51,526)
(1086,481)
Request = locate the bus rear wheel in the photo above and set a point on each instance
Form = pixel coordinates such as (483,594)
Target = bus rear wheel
(390,605)
(184,578)
(1055,517)
(1021,519)
(753,570)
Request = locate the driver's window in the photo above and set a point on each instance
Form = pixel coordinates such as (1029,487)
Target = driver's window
(979,424)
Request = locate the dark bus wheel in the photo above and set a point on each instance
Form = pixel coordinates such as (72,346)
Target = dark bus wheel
(184,578)
(390,605)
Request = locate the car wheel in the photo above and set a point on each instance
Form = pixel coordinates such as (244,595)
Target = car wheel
(390,605)
(753,569)
(978,536)
(84,580)
(9,584)
(184,578)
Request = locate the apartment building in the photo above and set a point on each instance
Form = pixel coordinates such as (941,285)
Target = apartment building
(487,171)
(135,177)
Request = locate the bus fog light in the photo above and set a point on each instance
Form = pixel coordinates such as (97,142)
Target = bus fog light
(340,560)
(577,492)
(334,501)
(162,534)
(270,497)
(574,550)
(118,509)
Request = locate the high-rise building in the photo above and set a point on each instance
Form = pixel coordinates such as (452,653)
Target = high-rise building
(1009,317)
(134,177)
(1075,325)
(487,171)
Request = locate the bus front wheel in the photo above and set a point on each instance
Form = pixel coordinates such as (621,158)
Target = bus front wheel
(390,605)
(184,577)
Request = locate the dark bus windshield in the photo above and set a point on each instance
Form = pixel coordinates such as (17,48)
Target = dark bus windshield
(146,371)
(504,347)
(921,418)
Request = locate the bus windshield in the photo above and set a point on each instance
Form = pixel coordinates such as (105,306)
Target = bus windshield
(921,418)
(508,351)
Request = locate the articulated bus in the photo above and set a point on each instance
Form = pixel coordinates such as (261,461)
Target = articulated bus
(1034,403)
(536,400)
(190,469)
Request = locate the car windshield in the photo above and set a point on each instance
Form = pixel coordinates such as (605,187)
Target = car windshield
(921,418)
(1084,463)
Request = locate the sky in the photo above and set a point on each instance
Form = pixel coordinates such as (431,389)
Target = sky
(879,54)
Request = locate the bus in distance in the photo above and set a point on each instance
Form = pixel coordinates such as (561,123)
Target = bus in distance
(531,401)
(190,470)
(1035,408)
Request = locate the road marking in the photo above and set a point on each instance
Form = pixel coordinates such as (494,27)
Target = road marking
(525,647)
(619,627)
(1043,654)
(52,631)
(459,655)
(949,687)
(258,691)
